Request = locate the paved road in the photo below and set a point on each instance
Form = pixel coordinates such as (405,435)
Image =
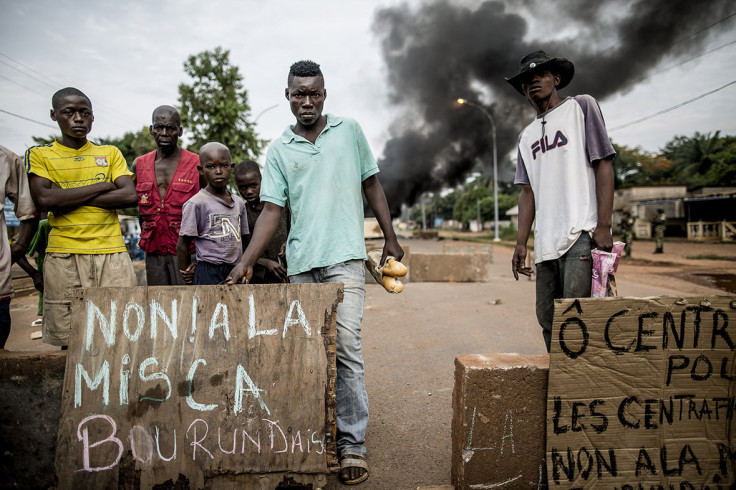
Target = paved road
(410,343)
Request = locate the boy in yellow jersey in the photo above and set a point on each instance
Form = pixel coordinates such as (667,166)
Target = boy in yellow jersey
(81,185)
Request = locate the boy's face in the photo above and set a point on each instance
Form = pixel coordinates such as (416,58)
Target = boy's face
(306,95)
(216,167)
(540,85)
(74,116)
(249,186)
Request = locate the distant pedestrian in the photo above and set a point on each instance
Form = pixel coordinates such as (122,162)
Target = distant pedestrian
(166,178)
(14,185)
(660,223)
(627,230)
(81,185)
(270,266)
(214,220)
(564,167)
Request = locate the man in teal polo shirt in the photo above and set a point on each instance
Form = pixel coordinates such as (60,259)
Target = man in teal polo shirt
(319,166)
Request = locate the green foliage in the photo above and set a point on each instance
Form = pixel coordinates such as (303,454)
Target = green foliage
(508,233)
(466,208)
(215,106)
(435,206)
(132,145)
(480,198)
(701,160)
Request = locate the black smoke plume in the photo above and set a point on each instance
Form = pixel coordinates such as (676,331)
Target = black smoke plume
(439,51)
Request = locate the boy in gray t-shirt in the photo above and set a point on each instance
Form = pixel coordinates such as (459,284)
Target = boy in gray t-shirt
(214,219)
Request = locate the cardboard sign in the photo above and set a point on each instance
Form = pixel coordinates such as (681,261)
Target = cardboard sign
(642,393)
(183,385)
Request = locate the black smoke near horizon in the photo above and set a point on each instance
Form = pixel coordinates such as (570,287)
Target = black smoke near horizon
(440,51)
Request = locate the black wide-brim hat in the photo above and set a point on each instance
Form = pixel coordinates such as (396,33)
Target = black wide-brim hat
(539,60)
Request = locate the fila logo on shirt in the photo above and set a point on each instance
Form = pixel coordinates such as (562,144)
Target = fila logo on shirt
(544,145)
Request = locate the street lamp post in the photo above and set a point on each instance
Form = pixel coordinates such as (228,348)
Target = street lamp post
(263,112)
(496,238)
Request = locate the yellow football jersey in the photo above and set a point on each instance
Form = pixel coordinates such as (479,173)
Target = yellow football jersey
(86,229)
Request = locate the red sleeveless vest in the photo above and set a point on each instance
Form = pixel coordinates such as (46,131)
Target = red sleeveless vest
(161,220)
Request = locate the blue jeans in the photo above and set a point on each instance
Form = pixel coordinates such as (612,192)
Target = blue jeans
(352,399)
(569,276)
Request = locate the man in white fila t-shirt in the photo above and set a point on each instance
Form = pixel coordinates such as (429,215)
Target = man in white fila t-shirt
(565,169)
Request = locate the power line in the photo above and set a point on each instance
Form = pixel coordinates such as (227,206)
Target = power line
(34,71)
(664,111)
(43,82)
(660,71)
(115,114)
(28,119)
(23,86)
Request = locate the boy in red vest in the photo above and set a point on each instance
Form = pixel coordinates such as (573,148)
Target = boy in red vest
(165,179)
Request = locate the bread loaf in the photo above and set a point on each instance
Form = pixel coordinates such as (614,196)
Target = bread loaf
(394,268)
(392,285)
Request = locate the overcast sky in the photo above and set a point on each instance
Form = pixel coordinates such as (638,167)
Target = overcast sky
(127,57)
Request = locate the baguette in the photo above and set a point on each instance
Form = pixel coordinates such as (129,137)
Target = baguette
(392,285)
(394,268)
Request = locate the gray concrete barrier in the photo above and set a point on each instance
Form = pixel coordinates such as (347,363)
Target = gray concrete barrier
(452,267)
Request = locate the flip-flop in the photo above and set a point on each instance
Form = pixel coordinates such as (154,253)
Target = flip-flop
(353,460)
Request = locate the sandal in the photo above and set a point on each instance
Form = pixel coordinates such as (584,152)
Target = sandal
(353,460)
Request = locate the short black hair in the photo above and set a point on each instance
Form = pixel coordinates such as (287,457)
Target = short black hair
(246,167)
(304,68)
(165,108)
(66,92)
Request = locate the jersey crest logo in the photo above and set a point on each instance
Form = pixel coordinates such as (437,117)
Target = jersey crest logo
(101,161)
(544,145)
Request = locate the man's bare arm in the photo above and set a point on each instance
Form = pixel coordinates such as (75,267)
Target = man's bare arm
(526,218)
(123,196)
(25,235)
(50,197)
(604,184)
(377,201)
(263,231)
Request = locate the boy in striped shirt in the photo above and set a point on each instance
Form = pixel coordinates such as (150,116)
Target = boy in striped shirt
(80,185)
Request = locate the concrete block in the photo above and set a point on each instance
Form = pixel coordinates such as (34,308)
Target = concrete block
(455,248)
(450,267)
(498,421)
(31,385)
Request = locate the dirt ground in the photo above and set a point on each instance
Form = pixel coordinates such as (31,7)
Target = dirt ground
(410,342)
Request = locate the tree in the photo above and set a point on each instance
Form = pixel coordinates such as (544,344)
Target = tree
(215,106)
(637,167)
(466,208)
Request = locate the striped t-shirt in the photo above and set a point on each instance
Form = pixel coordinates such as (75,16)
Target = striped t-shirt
(86,229)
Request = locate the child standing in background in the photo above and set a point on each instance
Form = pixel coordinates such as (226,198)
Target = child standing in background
(214,219)
(270,267)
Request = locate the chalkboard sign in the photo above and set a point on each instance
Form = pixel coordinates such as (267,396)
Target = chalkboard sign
(184,385)
(642,393)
